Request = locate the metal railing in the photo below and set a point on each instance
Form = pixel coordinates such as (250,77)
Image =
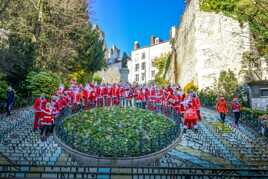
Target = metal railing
(145,146)
(103,172)
(250,120)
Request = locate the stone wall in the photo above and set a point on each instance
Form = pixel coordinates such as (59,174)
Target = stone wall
(208,43)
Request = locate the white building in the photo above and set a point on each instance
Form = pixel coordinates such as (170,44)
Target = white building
(141,68)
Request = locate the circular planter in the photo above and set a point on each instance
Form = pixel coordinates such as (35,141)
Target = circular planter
(91,160)
(139,159)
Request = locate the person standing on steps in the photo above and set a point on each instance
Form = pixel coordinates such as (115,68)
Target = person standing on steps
(39,104)
(10,100)
(222,108)
(236,107)
(46,121)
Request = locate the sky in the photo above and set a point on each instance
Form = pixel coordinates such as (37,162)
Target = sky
(127,21)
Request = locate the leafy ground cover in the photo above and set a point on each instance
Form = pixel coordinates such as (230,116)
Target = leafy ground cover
(118,132)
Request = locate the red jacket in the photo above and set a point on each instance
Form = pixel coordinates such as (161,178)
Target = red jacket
(47,118)
(221,106)
(190,114)
(196,103)
(37,105)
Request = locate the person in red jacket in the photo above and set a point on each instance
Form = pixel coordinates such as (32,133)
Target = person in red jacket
(197,104)
(190,118)
(236,107)
(39,104)
(46,121)
(222,108)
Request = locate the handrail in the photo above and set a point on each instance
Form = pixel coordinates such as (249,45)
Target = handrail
(136,167)
(78,171)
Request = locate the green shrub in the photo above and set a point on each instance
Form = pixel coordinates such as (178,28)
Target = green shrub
(190,87)
(253,113)
(160,81)
(97,79)
(3,89)
(208,97)
(42,83)
(117,132)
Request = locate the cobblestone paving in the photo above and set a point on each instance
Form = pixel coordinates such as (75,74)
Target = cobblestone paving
(221,145)
(20,145)
(214,145)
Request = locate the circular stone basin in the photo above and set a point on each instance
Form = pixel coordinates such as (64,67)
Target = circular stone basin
(118,132)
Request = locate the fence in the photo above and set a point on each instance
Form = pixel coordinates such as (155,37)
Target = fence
(102,172)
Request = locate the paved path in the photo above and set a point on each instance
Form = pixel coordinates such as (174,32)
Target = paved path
(213,146)
(222,145)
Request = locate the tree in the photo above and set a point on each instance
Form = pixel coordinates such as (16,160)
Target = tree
(42,83)
(3,87)
(91,52)
(227,84)
(17,59)
(51,25)
(251,67)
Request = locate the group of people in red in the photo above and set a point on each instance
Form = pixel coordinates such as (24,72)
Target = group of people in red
(171,99)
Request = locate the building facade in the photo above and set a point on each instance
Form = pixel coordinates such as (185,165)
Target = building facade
(141,68)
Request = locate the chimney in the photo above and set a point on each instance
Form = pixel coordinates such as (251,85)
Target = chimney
(173,32)
(152,40)
(136,45)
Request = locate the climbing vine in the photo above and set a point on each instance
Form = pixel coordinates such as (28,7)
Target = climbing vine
(162,63)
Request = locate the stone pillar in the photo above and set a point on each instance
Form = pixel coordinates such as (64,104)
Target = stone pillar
(124,75)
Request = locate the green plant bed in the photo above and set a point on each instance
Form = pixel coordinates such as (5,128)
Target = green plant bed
(119,132)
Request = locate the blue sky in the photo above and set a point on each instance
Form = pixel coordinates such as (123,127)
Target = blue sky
(125,21)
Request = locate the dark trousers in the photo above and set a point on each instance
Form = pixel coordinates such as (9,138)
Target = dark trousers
(222,116)
(9,108)
(237,117)
(45,130)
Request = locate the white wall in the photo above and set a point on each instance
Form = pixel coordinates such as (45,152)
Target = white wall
(208,43)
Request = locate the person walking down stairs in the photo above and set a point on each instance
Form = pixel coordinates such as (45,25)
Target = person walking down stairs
(222,108)
(10,100)
(236,107)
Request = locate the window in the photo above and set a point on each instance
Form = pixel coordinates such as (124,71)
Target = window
(137,67)
(143,56)
(143,76)
(153,74)
(264,92)
(137,77)
(143,66)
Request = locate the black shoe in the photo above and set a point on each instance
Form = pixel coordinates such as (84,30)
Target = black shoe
(184,131)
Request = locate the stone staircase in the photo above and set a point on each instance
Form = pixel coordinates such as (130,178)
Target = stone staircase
(19,145)
(246,145)
(213,146)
